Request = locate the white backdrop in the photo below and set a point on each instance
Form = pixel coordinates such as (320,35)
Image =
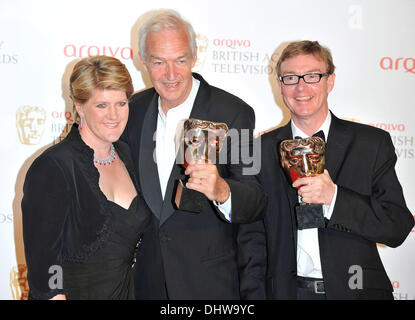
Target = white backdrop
(372,43)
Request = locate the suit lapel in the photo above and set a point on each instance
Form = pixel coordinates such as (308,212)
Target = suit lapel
(148,172)
(199,111)
(338,141)
(201,105)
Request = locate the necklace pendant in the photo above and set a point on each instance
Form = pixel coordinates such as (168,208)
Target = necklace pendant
(108,160)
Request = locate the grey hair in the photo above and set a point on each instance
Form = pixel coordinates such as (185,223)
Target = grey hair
(161,20)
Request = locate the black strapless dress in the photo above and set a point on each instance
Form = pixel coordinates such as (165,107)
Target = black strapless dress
(108,273)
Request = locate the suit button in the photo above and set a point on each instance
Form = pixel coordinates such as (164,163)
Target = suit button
(164,238)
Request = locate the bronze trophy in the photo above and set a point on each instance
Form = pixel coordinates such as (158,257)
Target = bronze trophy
(304,158)
(202,141)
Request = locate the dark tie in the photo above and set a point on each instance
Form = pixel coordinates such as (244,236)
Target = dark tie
(319,134)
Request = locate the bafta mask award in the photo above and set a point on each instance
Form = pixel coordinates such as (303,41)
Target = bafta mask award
(304,158)
(202,142)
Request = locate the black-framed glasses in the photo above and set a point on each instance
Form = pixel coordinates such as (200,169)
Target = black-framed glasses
(308,78)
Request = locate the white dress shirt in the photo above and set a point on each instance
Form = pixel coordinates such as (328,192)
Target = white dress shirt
(168,126)
(308,252)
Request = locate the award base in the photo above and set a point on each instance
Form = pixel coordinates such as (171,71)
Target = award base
(309,216)
(190,200)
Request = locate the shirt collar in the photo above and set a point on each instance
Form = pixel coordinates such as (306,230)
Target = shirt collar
(324,127)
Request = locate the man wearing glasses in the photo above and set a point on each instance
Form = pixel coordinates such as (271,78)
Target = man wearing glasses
(362,199)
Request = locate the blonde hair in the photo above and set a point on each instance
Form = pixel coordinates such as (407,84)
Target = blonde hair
(307,47)
(99,72)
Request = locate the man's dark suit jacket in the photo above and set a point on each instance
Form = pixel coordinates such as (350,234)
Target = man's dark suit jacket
(370,208)
(197,256)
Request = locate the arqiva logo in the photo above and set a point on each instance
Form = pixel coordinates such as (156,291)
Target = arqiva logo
(231,43)
(388,63)
(73,51)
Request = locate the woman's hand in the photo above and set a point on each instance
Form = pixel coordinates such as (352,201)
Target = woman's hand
(59,297)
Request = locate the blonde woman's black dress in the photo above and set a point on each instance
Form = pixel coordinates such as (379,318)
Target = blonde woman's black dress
(77,242)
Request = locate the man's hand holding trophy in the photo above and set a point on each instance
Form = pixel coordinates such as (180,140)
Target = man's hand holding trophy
(202,142)
(301,159)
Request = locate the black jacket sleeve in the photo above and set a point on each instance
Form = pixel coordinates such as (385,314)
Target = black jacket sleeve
(248,199)
(45,205)
(381,216)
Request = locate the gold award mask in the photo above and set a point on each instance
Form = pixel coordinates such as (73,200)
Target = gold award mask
(203,140)
(302,157)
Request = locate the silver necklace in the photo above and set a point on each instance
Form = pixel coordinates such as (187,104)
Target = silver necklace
(107,160)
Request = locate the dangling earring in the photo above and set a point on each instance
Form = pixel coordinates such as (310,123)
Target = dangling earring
(81,122)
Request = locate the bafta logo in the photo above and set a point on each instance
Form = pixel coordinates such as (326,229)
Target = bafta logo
(202,45)
(30,123)
(18,282)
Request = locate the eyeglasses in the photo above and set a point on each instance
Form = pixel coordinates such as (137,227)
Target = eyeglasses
(308,78)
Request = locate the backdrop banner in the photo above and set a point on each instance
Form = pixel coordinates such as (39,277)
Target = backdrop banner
(372,43)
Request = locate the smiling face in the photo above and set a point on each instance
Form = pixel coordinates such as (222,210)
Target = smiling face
(169,63)
(104,115)
(306,101)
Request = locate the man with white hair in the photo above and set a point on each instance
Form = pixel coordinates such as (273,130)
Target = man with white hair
(188,255)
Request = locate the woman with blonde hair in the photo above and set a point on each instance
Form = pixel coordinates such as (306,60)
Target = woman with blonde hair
(82,211)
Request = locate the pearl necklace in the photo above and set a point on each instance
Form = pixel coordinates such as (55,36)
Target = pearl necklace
(107,160)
